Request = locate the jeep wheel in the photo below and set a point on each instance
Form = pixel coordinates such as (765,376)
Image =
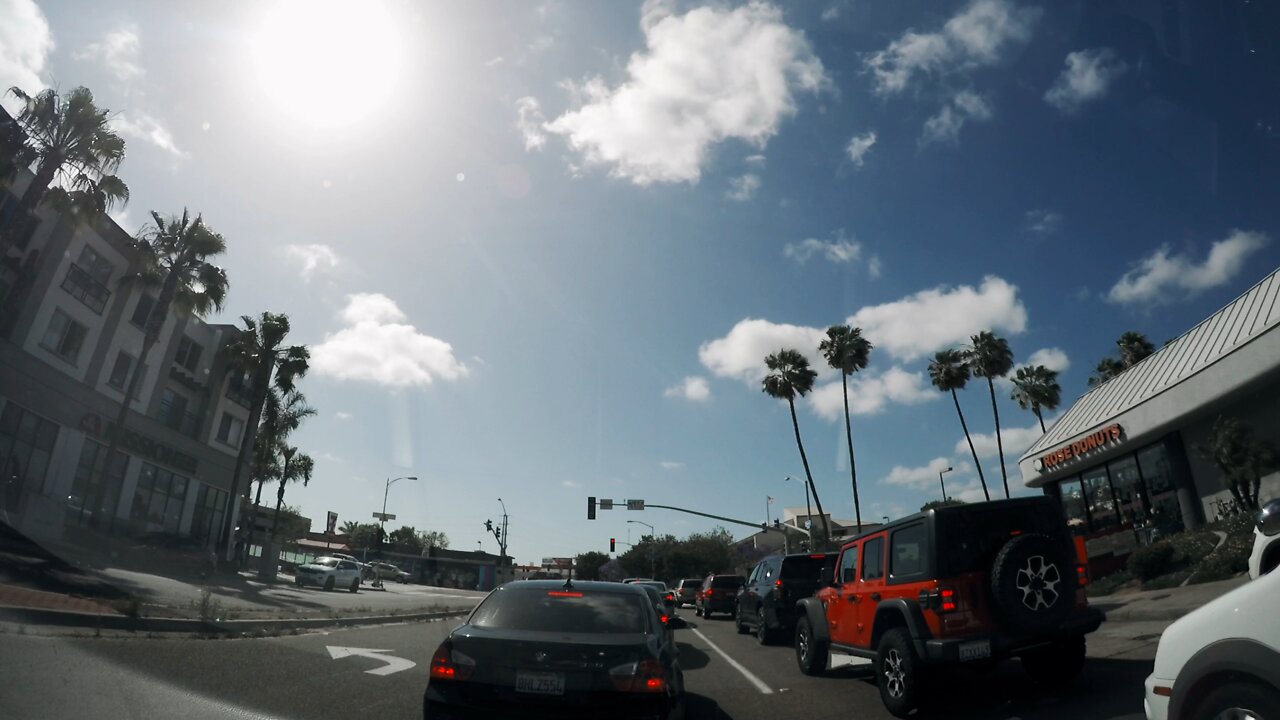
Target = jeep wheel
(1057,665)
(1032,583)
(737,620)
(811,653)
(763,634)
(899,674)
(1238,700)
(328,583)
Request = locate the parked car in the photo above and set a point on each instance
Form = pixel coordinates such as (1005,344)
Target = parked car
(687,591)
(718,594)
(1266,541)
(1221,660)
(364,567)
(329,573)
(584,649)
(385,571)
(968,584)
(767,603)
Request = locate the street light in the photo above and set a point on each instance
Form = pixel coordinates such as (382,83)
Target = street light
(653,537)
(942,483)
(652,533)
(808,510)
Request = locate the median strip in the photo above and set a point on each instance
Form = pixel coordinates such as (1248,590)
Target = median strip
(760,684)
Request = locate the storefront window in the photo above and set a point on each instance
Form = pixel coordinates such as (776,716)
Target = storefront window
(207,520)
(157,503)
(1130,494)
(1101,505)
(26,444)
(95,491)
(1157,472)
(1073,506)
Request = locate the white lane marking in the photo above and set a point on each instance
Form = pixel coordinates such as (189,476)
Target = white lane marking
(760,684)
(393,664)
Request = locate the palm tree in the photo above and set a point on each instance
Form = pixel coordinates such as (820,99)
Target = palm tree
(1134,348)
(282,413)
(989,357)
(259,352)
(847,351)
(949,372)
(789,376)
(70,140)
(349,527)
(1241,458)
(1035,388)
(294,467)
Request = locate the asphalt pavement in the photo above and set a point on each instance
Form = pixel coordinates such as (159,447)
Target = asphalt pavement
(381,672)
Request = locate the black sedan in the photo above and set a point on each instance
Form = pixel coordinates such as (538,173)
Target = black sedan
(545,648)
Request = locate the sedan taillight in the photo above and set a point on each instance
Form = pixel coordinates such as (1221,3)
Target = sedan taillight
(644,676)
(449,664)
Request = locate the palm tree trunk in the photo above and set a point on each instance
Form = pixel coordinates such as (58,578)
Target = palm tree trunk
(1257,488)
(981,478)
(848,434)
(1004,475)
(275,521)
(795,423)
(260,381)
(1039,417)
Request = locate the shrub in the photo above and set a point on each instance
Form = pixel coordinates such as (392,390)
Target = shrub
(1151,562)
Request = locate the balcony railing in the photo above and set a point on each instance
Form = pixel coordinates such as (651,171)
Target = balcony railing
(83,287)
(187,423)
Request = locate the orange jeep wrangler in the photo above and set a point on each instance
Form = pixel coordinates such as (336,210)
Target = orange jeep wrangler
(962,584)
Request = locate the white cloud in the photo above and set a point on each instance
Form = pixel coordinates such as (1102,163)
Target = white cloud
(941,317)
(1052,358)
(342,415)
(378,346)
(743,188)
(871,393)
(945,126)
(1043,222)
(119,51)
(691,388)
(1016,440)
(570,484)
(924,477)
(973,38)
(1087,76)
(146,127)
(671,465)
(529,122)
(710,75)
(874,266)
(859,145)
(831,13)
(754,160)
(313,258)
(740,354)
(494,61)
(25,44)
(839,250)
(1162,277)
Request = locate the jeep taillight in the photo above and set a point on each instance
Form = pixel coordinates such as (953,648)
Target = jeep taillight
(947,600)
(1082,575)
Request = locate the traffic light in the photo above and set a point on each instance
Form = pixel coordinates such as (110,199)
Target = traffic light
(591,508)
(612,544)
(488,525)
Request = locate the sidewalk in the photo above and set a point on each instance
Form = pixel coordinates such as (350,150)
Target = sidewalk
(1164,605)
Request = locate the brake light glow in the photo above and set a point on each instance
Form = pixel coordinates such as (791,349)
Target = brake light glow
(563,593)
(1015,532)
(449,664)
(1082,574)
(778,583)
(948,600)
(645,676)
(817,556)
(664,619)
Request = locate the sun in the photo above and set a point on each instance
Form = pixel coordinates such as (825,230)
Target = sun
(327,63)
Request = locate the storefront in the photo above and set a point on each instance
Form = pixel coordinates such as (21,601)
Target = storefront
(1127,460)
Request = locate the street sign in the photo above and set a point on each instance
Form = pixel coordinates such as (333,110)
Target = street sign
(384,516)
(606,504)
(331,525)
(635,504)
(393,664)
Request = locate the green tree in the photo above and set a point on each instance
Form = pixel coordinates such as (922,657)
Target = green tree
(790,376)
(292,524)
(365,535)
(433,538)
(258,351)
(1241,457)
(949,372)
(932,504)
(1035,388)
(406,538)
(282,413)
(989,357)
(847,351)
(1132,348)
(349,527)
(587,565)
(295,467)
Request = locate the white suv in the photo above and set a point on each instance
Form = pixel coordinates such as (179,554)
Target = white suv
(1266,541)
(329,573)
(1221,660)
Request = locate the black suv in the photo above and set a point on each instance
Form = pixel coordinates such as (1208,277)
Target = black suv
(767,603)
(968,584)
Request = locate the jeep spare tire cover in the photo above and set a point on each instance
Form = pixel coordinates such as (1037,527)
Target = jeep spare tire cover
(1032,583)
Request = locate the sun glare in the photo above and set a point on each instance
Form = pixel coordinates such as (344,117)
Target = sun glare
(328,63)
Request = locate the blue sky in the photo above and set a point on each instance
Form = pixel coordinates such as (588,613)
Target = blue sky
(540,249)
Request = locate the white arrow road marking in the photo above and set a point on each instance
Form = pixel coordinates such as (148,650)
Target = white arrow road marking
(393,664)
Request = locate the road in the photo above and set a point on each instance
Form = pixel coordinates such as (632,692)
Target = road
(323,675)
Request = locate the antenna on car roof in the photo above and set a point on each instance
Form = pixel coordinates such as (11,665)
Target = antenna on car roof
(568,583)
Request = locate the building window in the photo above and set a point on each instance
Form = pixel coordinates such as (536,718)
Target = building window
(188,354)
(157,503)
(1102,506)
(26,444)
(206,522)
(173,413)
(1162,493)
(98,267)
(142,310)
(95,491)
(64,337)
(239,389)
(230,430)
(1131,496)
(1073,505)
(120,373)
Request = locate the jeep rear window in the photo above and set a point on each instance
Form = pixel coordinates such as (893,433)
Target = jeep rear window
(969,537)
(908,551)
(808,569)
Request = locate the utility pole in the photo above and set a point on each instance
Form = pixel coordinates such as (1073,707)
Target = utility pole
(499,534)
(943,483)
(382,520)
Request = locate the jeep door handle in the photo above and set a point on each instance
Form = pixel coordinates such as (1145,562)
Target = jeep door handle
(854,598)
(875,596)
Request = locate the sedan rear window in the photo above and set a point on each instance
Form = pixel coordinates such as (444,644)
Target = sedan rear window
(728,581)
(563,611)
(691,582)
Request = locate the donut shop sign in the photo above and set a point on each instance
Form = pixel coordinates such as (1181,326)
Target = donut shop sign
(1066,454)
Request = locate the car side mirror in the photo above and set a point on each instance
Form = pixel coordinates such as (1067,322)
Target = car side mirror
(1269,519)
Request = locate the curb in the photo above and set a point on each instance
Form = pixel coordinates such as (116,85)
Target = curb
(65,618)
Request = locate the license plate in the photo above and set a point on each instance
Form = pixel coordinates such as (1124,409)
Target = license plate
(540,683)
(979,650)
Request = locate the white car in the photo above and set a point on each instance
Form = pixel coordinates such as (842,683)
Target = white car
(1266,541)
(1221,661)
(329,573)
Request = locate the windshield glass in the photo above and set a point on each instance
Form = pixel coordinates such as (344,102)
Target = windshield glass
(808,569)
(728,581)
(562,611)
(327,562)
